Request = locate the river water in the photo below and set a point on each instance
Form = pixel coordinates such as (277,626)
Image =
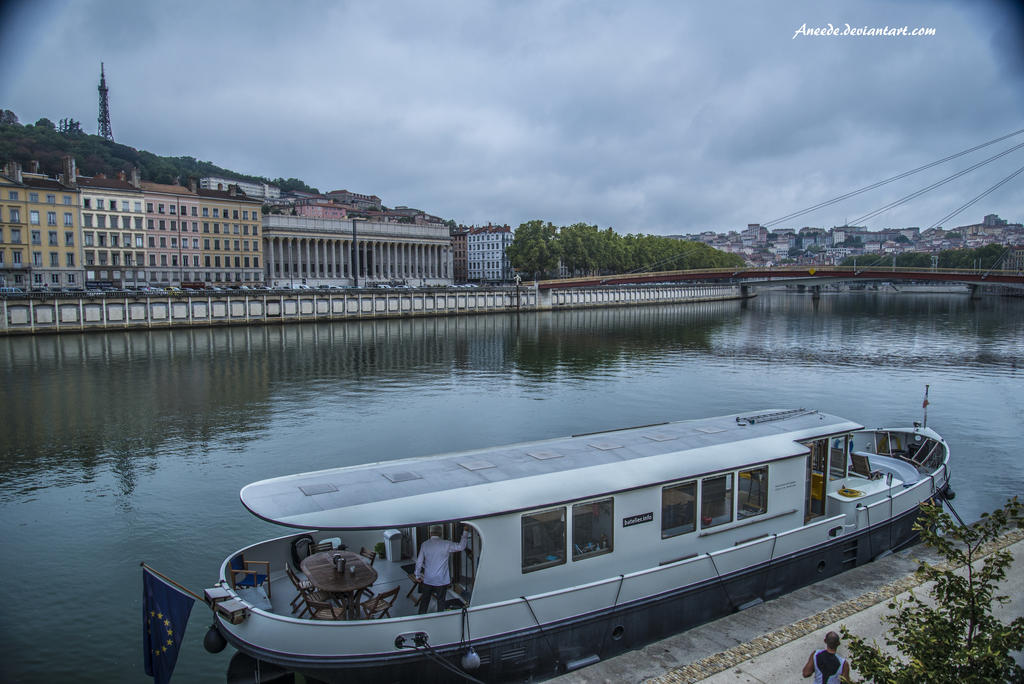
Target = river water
(118,448)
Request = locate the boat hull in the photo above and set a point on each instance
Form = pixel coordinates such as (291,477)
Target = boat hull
(556,647)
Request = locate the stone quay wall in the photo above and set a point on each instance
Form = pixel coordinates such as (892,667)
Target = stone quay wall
(36,313)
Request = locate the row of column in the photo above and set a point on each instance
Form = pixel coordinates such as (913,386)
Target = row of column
(288,257)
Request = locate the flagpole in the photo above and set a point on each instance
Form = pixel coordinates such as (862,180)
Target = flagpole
(168,579)
(925,407)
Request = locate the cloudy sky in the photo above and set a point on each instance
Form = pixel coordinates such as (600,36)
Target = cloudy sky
(652,117)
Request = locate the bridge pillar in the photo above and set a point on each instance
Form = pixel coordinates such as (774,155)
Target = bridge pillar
(975,291)
(816,292)
(745,291)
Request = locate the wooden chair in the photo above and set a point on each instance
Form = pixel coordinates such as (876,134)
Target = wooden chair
(324,610)
(301,586)
(372,555)
(322,546)
(380,605)
(250,577)
(860,465)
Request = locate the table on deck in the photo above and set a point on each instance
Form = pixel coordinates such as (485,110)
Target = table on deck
(319,568)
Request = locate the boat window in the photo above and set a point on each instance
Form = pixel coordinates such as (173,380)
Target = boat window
(752,494)
(543,539)
(715,500)
(677,509)
(592,529)
(837,458)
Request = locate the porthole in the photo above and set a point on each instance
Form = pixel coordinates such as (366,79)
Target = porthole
(618,632)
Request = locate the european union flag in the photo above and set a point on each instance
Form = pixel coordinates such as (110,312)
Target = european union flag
(165,612)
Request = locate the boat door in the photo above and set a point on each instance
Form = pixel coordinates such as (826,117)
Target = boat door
(817,479)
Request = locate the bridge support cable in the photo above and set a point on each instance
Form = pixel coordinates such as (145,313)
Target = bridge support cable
(979,197)
(947,179)
(897,177)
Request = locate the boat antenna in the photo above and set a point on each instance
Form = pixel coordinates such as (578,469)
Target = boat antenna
(924,405)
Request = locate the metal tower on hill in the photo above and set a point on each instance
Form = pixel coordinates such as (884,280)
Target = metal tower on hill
(104,117)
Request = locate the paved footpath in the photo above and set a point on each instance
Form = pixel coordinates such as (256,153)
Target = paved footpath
(770,642)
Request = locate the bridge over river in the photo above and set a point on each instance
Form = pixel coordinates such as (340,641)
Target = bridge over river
(806,275)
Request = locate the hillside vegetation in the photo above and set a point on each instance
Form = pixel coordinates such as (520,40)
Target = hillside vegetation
(47,142)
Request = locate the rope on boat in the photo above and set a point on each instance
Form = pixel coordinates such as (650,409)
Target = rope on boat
(429,651)
(547,641)
(421,644)
(728,597)
(768,568)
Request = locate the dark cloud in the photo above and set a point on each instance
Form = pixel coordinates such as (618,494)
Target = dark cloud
(648,116)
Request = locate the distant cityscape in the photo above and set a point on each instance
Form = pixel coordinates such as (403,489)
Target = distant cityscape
(761,246)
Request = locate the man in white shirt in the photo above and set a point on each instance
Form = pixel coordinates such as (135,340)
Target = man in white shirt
(432,567)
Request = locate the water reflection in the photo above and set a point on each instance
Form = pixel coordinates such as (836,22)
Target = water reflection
(125,446)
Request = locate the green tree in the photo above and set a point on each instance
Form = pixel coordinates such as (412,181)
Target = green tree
(46,123)
(8,118)
(534,249)
(953,637)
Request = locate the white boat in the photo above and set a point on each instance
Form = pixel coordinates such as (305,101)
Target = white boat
(583,547)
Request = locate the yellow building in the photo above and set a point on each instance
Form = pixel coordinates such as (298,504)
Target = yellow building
(40,246)
(231,247)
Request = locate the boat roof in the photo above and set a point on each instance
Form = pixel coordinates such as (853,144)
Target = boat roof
(492,481)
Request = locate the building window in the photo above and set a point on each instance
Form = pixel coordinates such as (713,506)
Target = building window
(159,208)
(87,203)
(206,211)
(139,241)
(163,241)
(51,199)
(152,259)
(69,239)
(138,223)
(16,256)
(715,500)
(54,259)
(99,203)
(33,217)
(138,207)
(170,208)
(33,197)
(162,225)
(101,220)
(70,260)
(36,238)
(67,218)
(592,529)
(12,195)
(543,537)
(752,492)
(67,199)
(152,241)
(52,236)
(149,207)
(37,258)
(51,218)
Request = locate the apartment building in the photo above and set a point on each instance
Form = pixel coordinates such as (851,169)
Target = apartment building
(39,231)
(113,232)
(230,245)
(173,239)
(486,260)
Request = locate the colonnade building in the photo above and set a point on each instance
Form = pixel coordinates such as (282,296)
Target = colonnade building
(301,250)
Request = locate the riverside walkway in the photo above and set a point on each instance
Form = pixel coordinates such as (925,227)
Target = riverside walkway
(60,313)
(770,642)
